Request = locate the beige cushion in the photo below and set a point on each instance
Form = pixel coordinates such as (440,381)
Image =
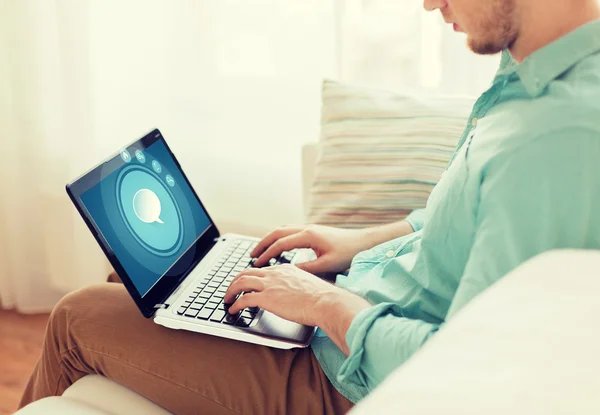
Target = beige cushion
(94,395)
(528,345)
(94,391)
(57,405)
(381,153)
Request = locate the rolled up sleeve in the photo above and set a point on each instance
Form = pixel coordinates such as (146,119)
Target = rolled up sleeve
(380,339)
(416,219)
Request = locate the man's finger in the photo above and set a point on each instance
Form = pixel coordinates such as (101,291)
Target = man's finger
(297,240)
(255,272)
(268,240)
(315,266)
(243,284)
(245,301)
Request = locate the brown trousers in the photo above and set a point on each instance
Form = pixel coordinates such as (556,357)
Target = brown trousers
(100,330)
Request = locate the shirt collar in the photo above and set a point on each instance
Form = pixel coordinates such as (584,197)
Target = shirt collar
(548,63)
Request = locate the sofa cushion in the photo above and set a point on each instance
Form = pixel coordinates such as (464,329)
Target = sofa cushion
(105,395)
(56,405)
(381,153)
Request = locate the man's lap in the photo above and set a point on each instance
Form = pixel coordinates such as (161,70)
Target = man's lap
(111,337)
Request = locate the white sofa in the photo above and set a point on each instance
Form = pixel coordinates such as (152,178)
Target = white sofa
(528,345)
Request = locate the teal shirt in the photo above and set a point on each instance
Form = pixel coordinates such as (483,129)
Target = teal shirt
(524,179)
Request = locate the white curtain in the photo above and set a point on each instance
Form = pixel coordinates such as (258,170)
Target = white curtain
(233,84)
(45,123)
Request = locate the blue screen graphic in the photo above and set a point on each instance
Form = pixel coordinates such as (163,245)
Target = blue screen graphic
(147,213)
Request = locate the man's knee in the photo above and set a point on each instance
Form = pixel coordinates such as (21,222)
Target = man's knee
(83,304)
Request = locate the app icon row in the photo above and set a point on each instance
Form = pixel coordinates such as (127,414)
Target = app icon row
(141,157)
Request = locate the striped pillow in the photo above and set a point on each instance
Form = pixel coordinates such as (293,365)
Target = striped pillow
(381,153)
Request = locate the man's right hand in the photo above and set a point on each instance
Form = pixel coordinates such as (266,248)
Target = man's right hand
(334,247)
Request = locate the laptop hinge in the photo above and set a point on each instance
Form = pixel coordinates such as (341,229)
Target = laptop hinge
(161,306)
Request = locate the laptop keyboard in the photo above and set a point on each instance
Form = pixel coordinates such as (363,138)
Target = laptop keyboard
(206,300)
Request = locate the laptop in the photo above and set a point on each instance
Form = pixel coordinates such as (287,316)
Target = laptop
(172,259)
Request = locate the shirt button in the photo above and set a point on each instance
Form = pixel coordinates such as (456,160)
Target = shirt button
(389,254)
(474,121)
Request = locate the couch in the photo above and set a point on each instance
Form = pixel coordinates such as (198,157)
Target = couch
(528,345)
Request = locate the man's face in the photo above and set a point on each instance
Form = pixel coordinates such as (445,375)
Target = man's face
(491,25)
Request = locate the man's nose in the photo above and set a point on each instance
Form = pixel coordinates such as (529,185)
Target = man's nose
(431,5)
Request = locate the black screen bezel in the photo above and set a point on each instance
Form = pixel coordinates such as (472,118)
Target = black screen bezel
(168,282)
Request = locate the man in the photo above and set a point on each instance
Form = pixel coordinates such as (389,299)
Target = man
(524,180)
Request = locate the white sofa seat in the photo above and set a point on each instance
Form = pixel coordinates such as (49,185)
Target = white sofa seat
(95,395)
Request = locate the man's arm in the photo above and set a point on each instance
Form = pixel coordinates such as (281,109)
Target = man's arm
(335,247)
(379,234)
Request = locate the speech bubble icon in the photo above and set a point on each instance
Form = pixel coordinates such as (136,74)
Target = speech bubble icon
(146,206)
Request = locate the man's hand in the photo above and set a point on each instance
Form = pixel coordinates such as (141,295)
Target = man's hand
(293,294)
(334,247)
(284,290)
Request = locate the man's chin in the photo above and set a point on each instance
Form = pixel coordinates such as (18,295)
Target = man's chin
(483,48)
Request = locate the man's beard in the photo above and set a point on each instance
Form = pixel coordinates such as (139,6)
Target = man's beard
(500,28)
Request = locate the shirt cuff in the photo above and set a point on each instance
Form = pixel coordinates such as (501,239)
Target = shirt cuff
(355,339)
(416,219)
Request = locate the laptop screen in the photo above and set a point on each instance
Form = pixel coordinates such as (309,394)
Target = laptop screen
(146,212)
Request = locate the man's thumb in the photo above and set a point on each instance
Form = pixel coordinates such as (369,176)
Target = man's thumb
(314,266)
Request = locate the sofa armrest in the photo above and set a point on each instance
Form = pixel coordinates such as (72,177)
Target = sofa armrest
(528,345)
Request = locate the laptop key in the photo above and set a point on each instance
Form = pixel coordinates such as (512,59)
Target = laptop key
(205,313)
(181,310)
(248,314)
(191,313)
(243,322)
(230,318)
(217,315)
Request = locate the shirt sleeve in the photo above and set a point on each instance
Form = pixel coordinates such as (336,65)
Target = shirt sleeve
(416,219)
(380,339)
(540,197)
